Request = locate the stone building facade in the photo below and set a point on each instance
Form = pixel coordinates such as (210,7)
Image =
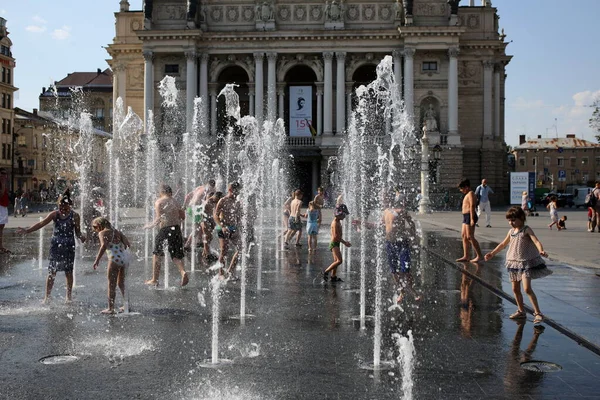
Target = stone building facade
(559,162)
(7,90)
(449,63)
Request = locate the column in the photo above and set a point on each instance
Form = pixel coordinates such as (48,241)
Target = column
(115,85)
(319,108)
(397,57)
(349,87)
(148,82)
(281,95)
(340,88)
(472,3)
(271,86)
(204,87)
(409,54)
(251,98)
(213,108)
(259,88)
(488,67)
(497,71)
(453,91)
(327,97)
(190,88)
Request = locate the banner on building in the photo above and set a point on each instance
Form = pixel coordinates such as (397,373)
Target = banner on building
(301,121)
(522,182)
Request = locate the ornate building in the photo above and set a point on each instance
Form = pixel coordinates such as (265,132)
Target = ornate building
(7,90)
(301,60)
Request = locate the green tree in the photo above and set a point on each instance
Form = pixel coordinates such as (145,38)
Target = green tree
(595,120)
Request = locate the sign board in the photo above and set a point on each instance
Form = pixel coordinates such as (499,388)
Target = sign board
(562,175)
(519,183)
(301,111)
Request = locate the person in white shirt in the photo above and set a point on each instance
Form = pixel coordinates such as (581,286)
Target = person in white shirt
(482,192)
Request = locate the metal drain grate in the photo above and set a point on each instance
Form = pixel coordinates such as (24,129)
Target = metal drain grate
(58,359)
(541,366)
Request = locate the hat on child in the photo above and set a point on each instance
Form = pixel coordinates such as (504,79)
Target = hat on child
(341,209)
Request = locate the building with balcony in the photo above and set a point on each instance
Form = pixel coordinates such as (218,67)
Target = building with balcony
(81,91)
(559,162)
(7,90)
(301,61)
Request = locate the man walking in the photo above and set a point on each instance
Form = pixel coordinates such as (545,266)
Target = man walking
(595,207)
(482,193)
(4,202)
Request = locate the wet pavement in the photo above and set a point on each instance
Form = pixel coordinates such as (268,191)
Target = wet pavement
(302,341)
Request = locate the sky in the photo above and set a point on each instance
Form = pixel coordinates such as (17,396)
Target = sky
(552,80)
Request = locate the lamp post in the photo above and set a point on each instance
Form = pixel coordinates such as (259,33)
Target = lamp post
(424,203)
(437,157)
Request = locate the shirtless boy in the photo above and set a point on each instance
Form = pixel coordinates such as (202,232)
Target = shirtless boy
(336,239)
(400,235)
(208,223)
(168,216)
(469,214)
(193,204)
(228,217)
(319,202)
(295,223)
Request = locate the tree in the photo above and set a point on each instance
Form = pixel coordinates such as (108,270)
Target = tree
(595,120)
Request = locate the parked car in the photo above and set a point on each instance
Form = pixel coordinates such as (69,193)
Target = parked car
(562,199)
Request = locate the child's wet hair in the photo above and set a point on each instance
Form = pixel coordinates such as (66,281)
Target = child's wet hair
(516,212)
(102,223)
(311,204)
(65,198)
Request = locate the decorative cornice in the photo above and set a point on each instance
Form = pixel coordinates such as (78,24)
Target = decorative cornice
(431,30)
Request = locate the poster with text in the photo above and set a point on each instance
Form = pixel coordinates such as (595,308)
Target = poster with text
(519,183)
(301,111)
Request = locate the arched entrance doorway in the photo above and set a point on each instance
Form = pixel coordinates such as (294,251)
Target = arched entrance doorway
(238,76)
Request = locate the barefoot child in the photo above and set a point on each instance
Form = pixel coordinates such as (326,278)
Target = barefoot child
(312,225)
(336,239)
(208,224)
(295,223)
(469,213)
(523,261)
(62,247)
(562,223)
(553,209)
(114,244)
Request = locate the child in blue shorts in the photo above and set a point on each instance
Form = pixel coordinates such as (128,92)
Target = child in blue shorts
(312,226)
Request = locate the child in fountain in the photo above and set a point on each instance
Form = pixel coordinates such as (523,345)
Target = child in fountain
(228,217)
(209,224)
(336,239)
(62,247)
(400,236)
(168,215)
(523,261)
(312,225)
(286,213)
(295,223)
(115,245)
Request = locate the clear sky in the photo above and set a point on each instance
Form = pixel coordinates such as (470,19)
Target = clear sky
(552,79)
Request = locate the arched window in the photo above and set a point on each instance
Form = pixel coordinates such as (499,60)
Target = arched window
(35,144)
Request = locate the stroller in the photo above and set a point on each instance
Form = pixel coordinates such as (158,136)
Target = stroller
(531,209)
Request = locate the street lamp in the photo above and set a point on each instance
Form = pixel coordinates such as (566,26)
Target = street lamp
(437,157)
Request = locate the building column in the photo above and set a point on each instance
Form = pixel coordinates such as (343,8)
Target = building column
(213,108)
(497,71)
(349,86)
(204,87)
(271,86)
(190,88)
(259,87)
(397,57)
(453,91)
(327,96)
(281,95)
(148,83)
(319,108)
(251,98)
(488,67)
(121,71)
(115,84)
(409,87)
(340,88)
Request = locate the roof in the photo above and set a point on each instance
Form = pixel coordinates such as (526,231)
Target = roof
(98,78)
(45,117)
(557,143)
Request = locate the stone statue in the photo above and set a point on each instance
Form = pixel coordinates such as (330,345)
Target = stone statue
(430,119)
(398,10)
(192,8)
(334,11)
(453,6)
(265,11)
(148,10)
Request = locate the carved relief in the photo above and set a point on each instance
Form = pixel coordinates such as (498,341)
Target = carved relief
(247,13)
(429,9)
(300,13)
(136,24)
(471,21)
(353,12)
(385,12)
(284,12)
(316,12)
(135,76)
(216,13)
(168,12)
(232,13)
(368,11)
(469,73)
